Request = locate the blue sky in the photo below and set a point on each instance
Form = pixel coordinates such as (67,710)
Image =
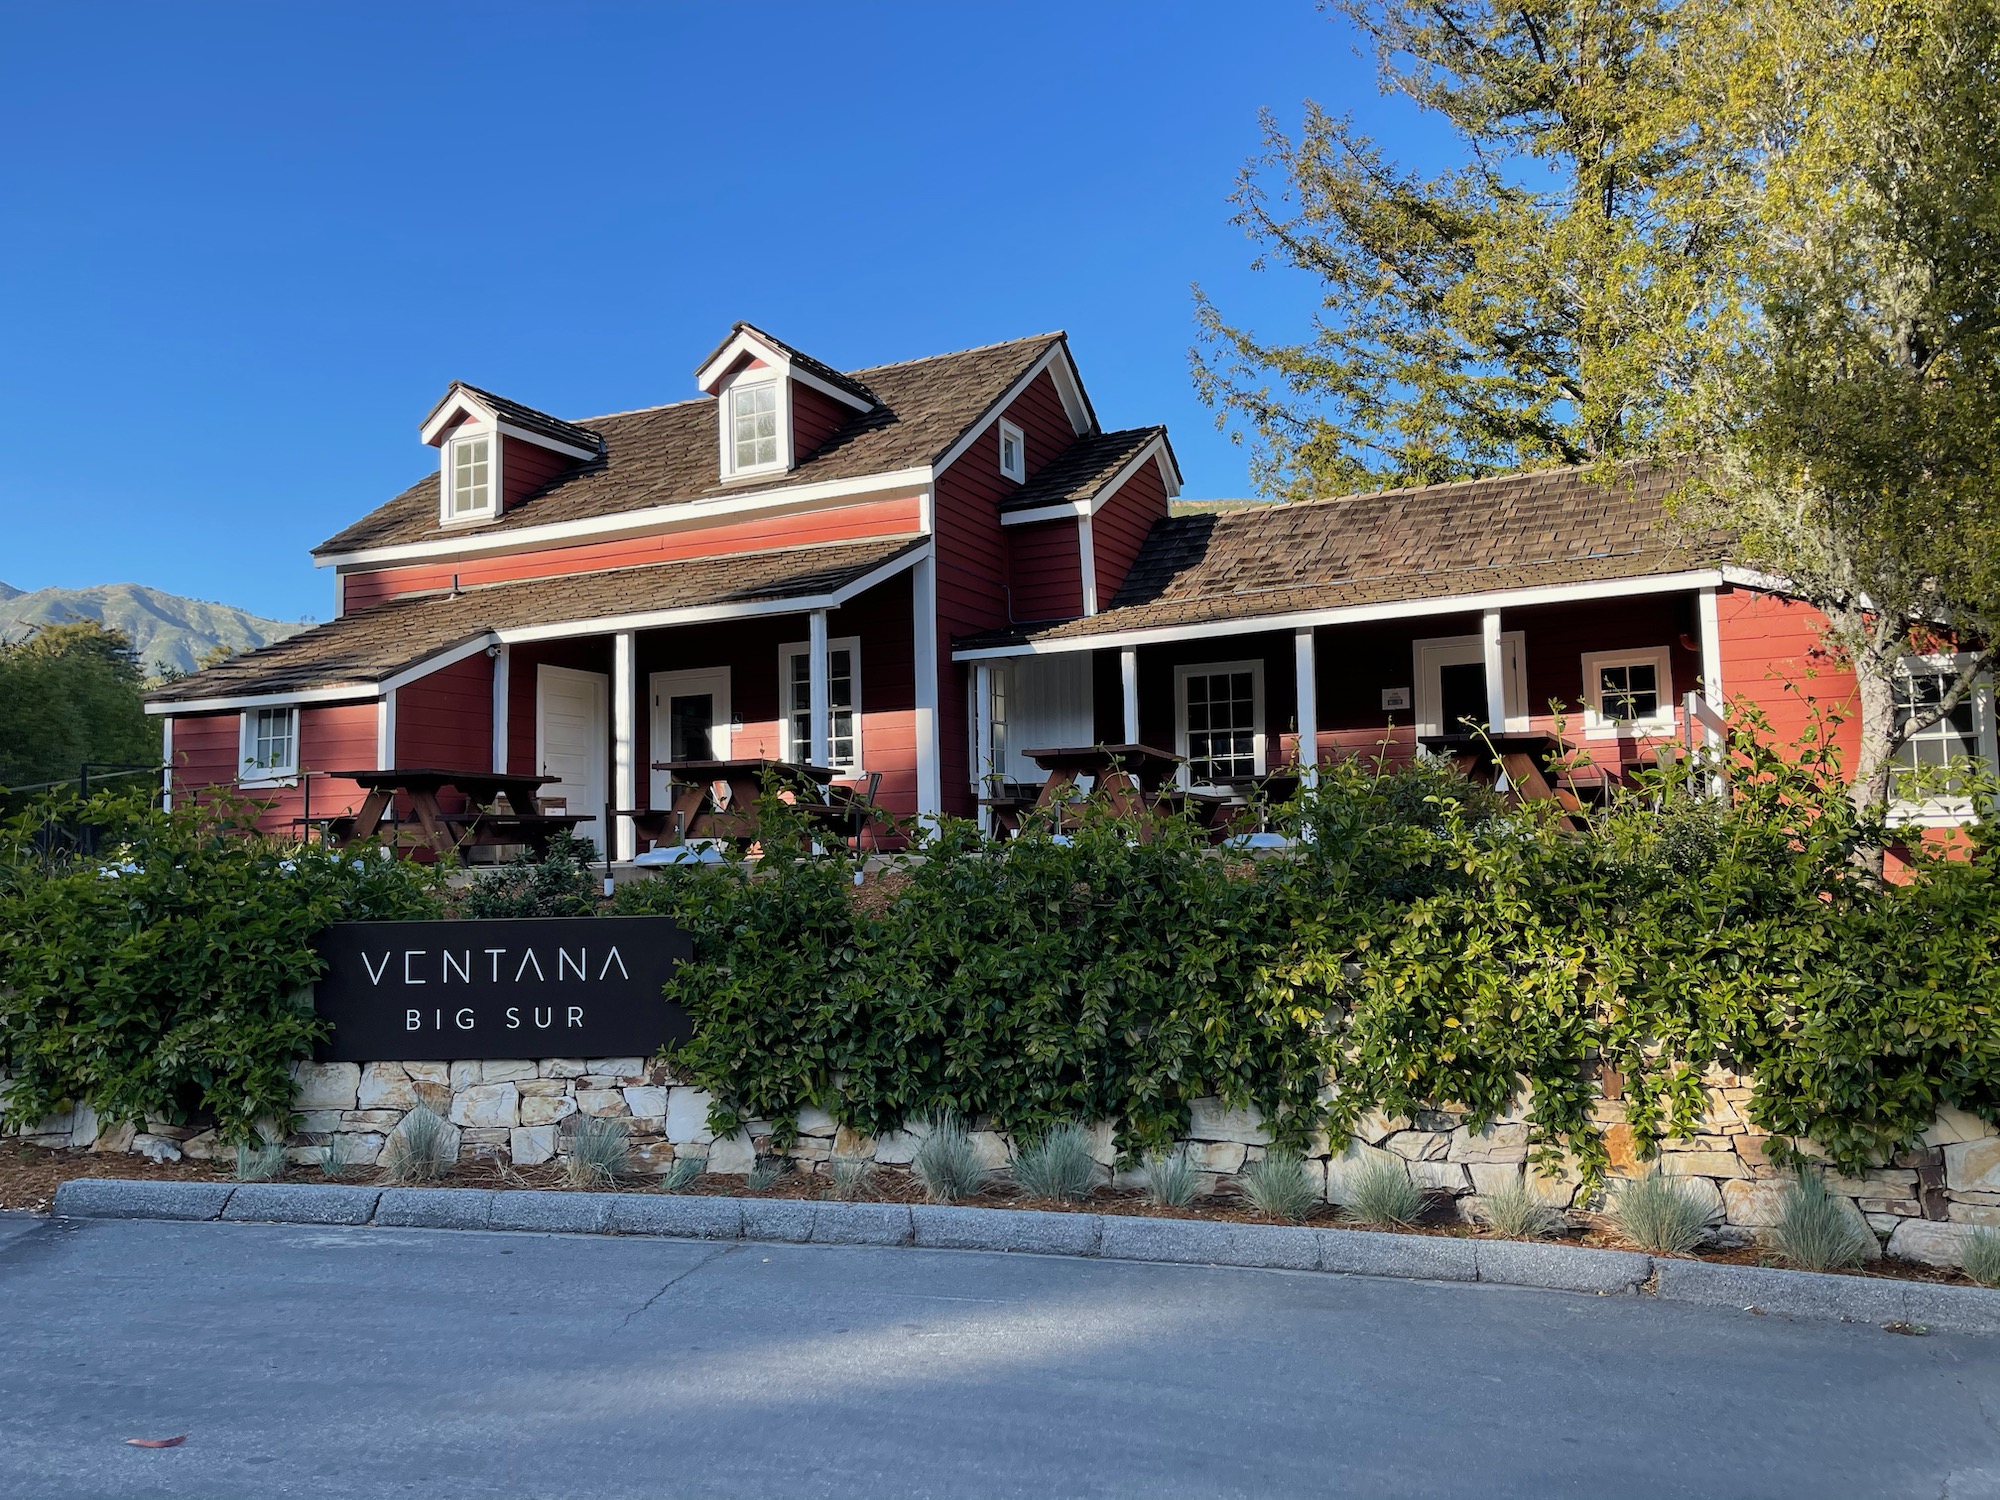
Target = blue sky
(246,247)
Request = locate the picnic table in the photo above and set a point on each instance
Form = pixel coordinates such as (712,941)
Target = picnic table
(717,799)
(1528,761)
(1251,798)
(1130,780)
(484,823)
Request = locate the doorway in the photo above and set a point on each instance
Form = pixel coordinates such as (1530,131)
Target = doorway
(1451,682)
(573,742)
(691,719)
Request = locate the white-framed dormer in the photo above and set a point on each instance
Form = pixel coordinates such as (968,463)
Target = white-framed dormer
(752,377)
(471,429)
(471,476)
(1013,452)
(267,751)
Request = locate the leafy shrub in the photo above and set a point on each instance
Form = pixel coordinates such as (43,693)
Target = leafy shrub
(1982,1256)
(1057,1164)
(947,1163)
(422,1148)
(600,1151)
(1817,1230)
(560,883)
(259,1162)
(1277,1183)
(166,976)
(1382,1195)
(1172,1179)
(1658,1213)
(1518,1212)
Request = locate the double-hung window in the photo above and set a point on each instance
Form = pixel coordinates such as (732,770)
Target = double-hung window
(471,477)
(1921,784)
(753,427)
(1628,692)
(270,745)
(843,703)
(1222,721)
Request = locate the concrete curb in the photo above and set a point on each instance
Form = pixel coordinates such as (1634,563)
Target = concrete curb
(1350,1252)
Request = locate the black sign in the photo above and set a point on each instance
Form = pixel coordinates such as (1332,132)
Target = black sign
(508,988)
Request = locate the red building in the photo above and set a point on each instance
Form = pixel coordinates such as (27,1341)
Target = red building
(924,569)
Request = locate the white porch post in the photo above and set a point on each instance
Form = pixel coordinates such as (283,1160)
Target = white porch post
(624,739)
(1128,673)
(1711,650)
(818,752)
(385,732)
(1302,649)
(924,628)
(502,664)
(1086,552)
(1496,671)
(167,762)
(982,737)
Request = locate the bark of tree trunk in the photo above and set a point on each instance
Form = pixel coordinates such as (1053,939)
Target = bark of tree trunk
(1875,757)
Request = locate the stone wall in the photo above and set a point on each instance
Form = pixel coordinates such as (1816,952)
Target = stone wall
(1922,1206)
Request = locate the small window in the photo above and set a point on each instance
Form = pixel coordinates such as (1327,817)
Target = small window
(471,476)
(1013,453)
(753,424)
(1920,786)
(270,745)
(1222,721)
(1629,692)
(843,698)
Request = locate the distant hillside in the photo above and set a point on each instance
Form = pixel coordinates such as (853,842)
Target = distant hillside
(169,631)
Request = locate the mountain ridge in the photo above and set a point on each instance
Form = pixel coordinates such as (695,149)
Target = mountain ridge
(169,631)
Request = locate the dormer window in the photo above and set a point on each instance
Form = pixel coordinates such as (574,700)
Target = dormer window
(753,427)
(471,477)
(1013,453)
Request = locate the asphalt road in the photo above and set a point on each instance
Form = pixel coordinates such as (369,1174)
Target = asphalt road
(378,1362)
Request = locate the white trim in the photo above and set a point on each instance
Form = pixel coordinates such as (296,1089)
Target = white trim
(746,341)
(459,405)
(1154,450)
(1010,431)
(1494,659)
(755,380)
(1068,389)
(682,516)
(1185,670)
(385,732)
(1950,812)
(437,661)
(624,741)
(663,688)
(1432,652)
(358,692)
(339,594)
(1128,692)
(1086,556)
(1711,647)
(1451,604)
(503,668)
(1308,703)
(595,831)
(1664,722)
(819,684)
(167,764)
(448,513)
(924,629)
(543,440)
(251,775)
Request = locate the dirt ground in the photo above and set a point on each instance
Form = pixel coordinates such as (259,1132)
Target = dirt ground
(29,1176)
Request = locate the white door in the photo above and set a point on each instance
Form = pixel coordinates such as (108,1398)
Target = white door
(572,741)
(1042,703)
(1451,682)
(690,720)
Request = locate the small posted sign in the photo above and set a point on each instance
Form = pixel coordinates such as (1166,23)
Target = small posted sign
(502,988)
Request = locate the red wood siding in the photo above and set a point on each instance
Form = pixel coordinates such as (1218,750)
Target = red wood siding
(590,654)
(445,721)
(1045,565)
(525,468)
(1120,526)
(816,417)
(898,517)
(332,737)
(972,560)
(1768,642)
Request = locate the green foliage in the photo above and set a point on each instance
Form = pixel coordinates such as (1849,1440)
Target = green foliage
(1172,1179)
(681,1173)
(1818,1231)
(1057,1164)
(1381,1194)
(765,1172)
(68,694)
(560,883)
(600,1151)
(334,1161)
(422,1148)
(259,1161)
(852,1176)
(1982,1256)
(1658,1213)
(1277,1183)
(1517,1212)
(947,1163)
(162,978)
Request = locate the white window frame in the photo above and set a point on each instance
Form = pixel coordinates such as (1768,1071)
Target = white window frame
(802,753)
(248,772)
(1596,726)
(449,483)
(756,380)
(1010,433)
(1949,812)
(1259,741)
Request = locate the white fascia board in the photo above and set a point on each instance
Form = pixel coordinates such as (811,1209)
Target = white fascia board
(1751,578)
(461,402)
(543,440)
(742,343)
(684,516)
(451,656)
(1056,361)
(828,388)
(1156,449)
(1170,471)
(882,574)
(357,692)
(1356,614)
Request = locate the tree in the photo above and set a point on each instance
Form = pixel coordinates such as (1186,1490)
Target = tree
(1515,311)
(68,694)
(1850,413)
